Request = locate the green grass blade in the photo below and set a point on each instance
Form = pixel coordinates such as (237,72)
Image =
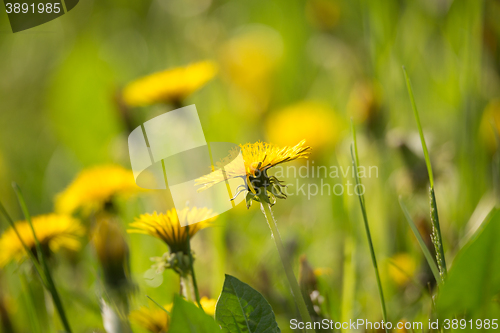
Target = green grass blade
(35,262)
(48,277)
(353,129)
(367,227)
(34,313)
(420,131)
(436,229)
(496,163)
(158,305)
(423,246)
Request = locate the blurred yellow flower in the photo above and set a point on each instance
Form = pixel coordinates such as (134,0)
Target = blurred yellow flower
(309,120)
(152,320)
(171,85)
(402,267)
(323,271)
(52,230)
(249,60)
(490,122)
(208,305)
(158,321)
(170,227)
(93,188)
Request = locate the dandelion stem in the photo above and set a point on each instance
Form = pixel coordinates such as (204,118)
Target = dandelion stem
(46,272)
(296,292)
(191,268)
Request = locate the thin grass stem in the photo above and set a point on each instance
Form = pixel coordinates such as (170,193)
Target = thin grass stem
(158,305)
(420,131)
(48,277)
(294,285)
(367,227)
(35,262)
(436,229)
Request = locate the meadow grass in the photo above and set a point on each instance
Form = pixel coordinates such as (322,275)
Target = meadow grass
(45,271)
(436,237)
(355,161)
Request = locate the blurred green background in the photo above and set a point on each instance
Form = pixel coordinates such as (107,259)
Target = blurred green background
(59,113)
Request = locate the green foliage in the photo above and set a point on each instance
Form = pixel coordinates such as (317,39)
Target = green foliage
(61,112)
(188,318)
(474,278)
(243,309)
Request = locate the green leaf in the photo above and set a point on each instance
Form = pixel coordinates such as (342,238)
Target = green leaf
(474,278)
(188,318)
(243,309)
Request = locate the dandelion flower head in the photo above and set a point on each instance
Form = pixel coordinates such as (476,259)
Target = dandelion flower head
(93,188)
(172,227)
(258,158)
(171,85)
(52,230)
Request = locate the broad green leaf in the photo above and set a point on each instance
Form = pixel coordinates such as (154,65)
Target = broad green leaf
(243,309)
(188,318)
(474,278)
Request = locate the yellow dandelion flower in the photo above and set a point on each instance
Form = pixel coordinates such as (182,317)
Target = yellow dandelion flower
(52,230)
(402,267)
(152,320)
(172,85)
(313,121)
(208,305)
(258,158)
(93,188)
(170,227)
